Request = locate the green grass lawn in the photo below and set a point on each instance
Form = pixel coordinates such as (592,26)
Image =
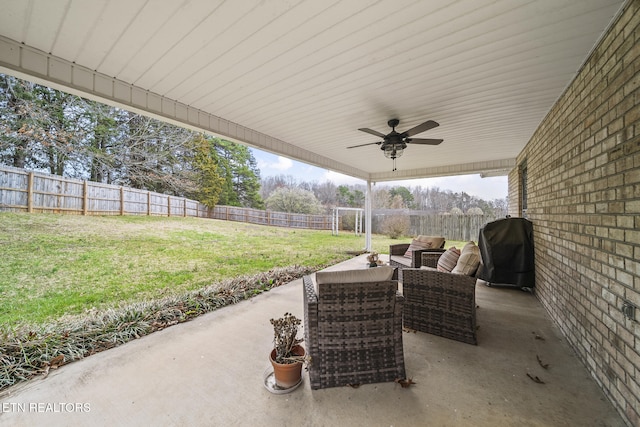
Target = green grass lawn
(52,265)
(72,286)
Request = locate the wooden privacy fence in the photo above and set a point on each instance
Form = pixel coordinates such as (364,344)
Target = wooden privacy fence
(452,227)
(281,219)
(24,191)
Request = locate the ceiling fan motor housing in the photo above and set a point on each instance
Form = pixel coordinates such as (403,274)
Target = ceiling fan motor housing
(398,144)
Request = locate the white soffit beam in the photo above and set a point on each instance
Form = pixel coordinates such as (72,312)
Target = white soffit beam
(492,168)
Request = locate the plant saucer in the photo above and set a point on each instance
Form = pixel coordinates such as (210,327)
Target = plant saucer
(270,383)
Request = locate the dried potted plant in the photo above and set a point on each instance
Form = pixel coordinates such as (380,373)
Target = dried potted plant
(287,356)
(373,259)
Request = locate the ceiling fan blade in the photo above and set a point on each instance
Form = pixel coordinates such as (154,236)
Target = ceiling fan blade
(429,124)
(372,132)
(424,141)
(362,145)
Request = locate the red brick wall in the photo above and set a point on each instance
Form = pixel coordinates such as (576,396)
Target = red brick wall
(583,166)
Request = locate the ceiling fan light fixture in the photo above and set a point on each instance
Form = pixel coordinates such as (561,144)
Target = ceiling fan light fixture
(388,151)
(393,151)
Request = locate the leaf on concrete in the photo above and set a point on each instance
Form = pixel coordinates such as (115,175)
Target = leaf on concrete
(535,379)
(405,382)
(544,365)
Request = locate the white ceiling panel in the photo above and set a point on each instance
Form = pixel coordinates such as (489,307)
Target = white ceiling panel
(299,77)
(69,39)
(42,23)
(112,24)
(137,41)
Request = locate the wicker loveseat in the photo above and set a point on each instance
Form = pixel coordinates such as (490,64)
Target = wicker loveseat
(409,255)
(353,327)
(442,303)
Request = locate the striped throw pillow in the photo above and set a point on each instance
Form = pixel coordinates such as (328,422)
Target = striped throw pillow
(448,260)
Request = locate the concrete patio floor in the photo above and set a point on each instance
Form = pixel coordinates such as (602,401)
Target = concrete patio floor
(209,372)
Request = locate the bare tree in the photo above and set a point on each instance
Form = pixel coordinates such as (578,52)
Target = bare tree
(17,106)
(326,193)
(381,198)
(271,183)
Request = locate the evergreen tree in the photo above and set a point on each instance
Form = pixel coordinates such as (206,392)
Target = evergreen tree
(246,178)
(209,183)
(405,194)
(51,129)
(240,173)
(350,198)
(102,124)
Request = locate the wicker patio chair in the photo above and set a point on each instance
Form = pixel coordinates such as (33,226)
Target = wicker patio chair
(353,332)
(430,258)
(397,252)
(439,303)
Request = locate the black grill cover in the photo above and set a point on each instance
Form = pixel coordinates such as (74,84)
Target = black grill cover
(506,248)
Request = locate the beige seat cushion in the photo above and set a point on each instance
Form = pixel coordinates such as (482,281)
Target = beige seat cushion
(469,260)
(375,274)
(401,259)
(424,242)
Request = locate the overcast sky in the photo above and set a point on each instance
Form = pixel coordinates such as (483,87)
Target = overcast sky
(484,188)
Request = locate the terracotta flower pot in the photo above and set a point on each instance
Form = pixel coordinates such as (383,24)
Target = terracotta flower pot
(289,374)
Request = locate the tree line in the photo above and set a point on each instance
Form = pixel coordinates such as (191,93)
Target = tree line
(45,129)
(323,196)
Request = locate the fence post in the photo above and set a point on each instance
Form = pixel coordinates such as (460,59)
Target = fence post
(30,192)
(121,201)
(85,197)
(185,207)
(168,205)
(148,203)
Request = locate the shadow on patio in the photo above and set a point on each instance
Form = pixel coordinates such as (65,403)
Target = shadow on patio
(210,372)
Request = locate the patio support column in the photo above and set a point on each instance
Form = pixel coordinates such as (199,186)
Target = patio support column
(367,217)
